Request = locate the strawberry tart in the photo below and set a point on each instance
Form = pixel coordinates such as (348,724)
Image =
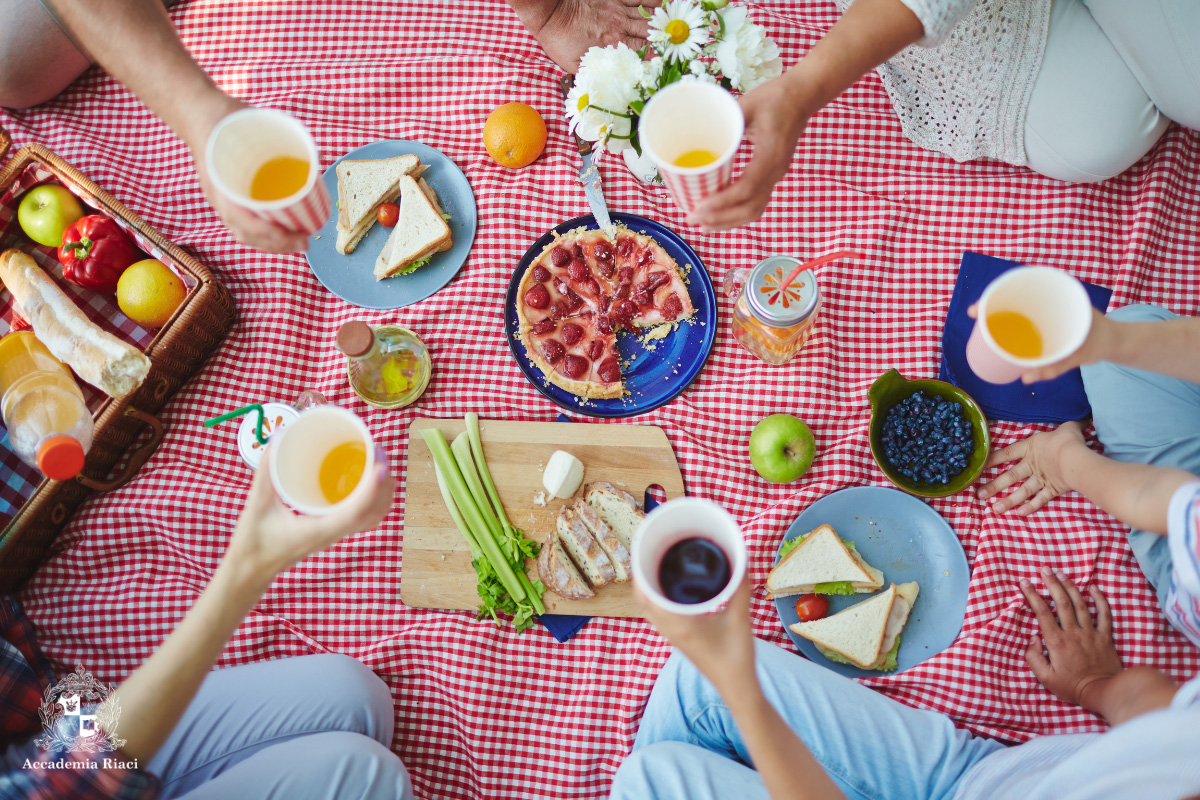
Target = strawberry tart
(581,290)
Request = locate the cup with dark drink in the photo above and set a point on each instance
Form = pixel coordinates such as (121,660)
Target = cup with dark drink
(689,556)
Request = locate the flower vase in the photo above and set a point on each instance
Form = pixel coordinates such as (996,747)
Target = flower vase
(642,167)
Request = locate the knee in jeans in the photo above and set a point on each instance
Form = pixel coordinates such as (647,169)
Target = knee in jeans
(1086,160)
(364,769)
(349,684)
(1140,312)
(644,771)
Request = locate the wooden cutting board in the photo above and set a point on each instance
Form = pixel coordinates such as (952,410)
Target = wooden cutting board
(437,571)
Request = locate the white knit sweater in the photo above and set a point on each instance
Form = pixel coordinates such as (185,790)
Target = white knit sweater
(964,89)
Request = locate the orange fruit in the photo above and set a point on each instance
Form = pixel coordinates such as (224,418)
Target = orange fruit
(514,135)
(148,292)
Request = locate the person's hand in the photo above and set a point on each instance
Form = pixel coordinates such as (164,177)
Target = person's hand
(1080,654)
(1038,470)
(1096,347)
(246,227)
(269,537)
(776,115)
(720,645)
(566,29)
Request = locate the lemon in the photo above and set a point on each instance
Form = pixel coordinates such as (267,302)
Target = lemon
(149,292)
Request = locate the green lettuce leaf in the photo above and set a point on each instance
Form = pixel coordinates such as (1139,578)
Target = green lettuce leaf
(413,267)
(789,546)
(834,587)
(889,660)
(850,545)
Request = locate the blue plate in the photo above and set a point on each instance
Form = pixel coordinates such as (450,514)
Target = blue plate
(352,277)
(654,377)
(905,539)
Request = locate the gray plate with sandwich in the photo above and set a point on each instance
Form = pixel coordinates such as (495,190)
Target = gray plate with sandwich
(371,266)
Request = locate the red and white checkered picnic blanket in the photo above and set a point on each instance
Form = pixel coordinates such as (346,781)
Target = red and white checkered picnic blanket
(482,712)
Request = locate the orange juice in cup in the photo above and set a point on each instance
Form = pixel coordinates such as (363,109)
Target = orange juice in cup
(318,461)
(691,131)
(267,162)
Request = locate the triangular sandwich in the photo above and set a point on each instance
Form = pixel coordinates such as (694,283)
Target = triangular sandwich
(823,563)
(363,186)
(419,233)
(866,634)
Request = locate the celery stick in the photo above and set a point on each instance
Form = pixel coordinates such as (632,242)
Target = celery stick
(452,507)
(477,451)
(443,457)
(461,448)
(463,455)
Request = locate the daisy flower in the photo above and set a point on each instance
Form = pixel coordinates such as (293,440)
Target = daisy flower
(678,29)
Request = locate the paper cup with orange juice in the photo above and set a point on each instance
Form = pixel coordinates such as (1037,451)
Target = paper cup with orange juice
(691,131)
(320,459)
(1028,317)
(266,161)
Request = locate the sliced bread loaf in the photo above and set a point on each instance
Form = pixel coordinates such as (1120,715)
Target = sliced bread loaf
(559,574)
(618,509)
(583,548)
(616,550)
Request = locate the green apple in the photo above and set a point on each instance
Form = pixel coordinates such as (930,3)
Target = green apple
(46,212)
(782,448)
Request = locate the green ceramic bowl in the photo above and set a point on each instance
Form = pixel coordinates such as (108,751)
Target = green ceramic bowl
(889,389)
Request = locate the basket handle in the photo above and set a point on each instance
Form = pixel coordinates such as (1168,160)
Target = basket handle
(5,141)
(136,459)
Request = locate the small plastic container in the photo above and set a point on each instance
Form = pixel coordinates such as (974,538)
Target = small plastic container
(770,322)
(388,366)
(49,425)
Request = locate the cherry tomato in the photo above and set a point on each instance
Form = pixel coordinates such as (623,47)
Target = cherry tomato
(388,214)
(811,606)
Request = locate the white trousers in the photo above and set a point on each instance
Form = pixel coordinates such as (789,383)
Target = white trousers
(1114,75)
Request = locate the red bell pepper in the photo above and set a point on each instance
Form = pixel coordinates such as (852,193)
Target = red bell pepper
(94,253)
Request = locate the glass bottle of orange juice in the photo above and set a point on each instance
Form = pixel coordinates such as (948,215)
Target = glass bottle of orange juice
(771,322)
(387,366)
(49,425)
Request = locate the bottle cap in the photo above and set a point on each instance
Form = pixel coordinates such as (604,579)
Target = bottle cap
(774,305)
(355,338)
(60,457)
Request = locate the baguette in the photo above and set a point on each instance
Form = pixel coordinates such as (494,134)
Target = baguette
(97,356)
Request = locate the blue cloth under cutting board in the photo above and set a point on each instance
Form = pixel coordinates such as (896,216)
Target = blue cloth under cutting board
(1058,400)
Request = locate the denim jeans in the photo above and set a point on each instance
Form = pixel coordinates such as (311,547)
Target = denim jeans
(873,747)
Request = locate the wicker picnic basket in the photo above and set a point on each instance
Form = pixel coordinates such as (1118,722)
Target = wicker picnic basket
(175,353)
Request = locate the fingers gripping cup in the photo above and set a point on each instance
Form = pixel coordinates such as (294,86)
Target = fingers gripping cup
(1028,317)
(691,130)
(320,459)
(689,556)
(266,161)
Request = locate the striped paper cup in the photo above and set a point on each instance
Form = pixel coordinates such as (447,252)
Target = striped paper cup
(244,141)
(686,117)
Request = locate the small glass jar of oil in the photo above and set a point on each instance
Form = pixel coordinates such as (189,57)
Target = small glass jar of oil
(387,366)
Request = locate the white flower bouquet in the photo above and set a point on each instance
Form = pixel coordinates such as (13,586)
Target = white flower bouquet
(697,40)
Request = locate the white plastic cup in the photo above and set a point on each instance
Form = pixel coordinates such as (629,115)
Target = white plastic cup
(244,141)
(1054,301)
(674,521)
(686,116)
(298,450)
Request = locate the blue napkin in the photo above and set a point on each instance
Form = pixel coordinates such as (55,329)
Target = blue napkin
(563,626)
(1059,400)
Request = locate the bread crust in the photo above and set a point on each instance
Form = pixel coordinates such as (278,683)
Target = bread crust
(97,357)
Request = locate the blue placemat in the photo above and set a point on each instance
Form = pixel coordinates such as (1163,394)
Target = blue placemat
(563,626)
(1059,400)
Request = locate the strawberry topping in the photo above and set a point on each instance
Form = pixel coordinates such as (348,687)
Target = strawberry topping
(560,309)
(578,271)
(595,347)
(625,275)
(552,351)
(591,287)
(575,366)
(658,279)
(625,311)
(537,297)
(571,333)
(605,268)
(624,246)
(609,371)
(643,298)
(559,257)
(645,258)
(602,251)
(672,306)
(544,327)
(575,301)
(604,324)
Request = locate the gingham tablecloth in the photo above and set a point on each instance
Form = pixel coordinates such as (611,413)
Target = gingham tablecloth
(482,712)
